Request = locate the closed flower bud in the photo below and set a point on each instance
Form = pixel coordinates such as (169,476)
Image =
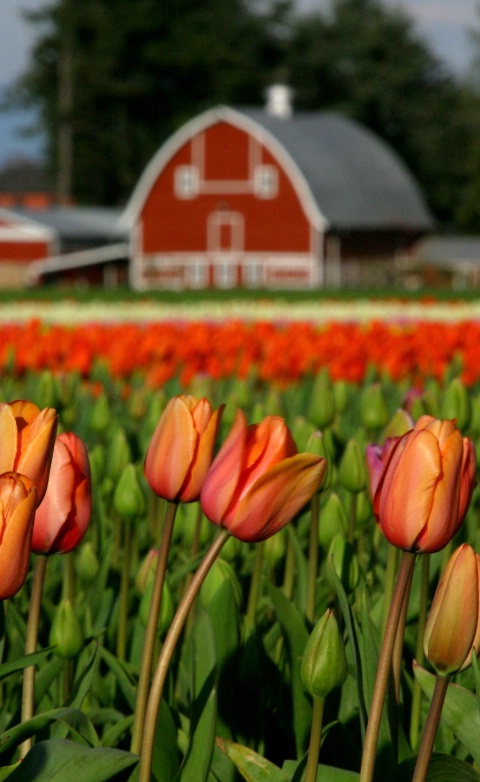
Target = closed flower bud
(320,444)
(422,493)
(220,572)
(302,428)
(258,482)
(324,662)
(333,520)
(147,568)
(128,499)
(400,423)
(456,404)
(373,407)
(321,410)
(66,633)
(86,563)
(275,548)
(341,395)
(352,472)
(452,630)
(118,455)
(181,449)
(100,415)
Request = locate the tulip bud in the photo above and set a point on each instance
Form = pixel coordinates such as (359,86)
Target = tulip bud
(96,456)
(46,390)
(220,572)
(475,417)
(363,508)
(342,560)
(400,423)
(452,630)
(456,404)
(320,445)
(373,407)
(321,410)
(166,608)
(66,633)
(341,394)
(128,499)
(275,548)
(100,416)
(333,520)
(324,662)
(118,454)
(301,431)
(352,473)
(147,567)
(86,563)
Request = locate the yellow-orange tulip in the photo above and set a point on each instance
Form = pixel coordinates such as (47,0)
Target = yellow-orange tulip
(258,482)
(18,500)
(27,439)
(181,449)
(424,490)
(452,630)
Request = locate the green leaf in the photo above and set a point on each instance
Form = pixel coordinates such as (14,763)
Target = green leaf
(476,677)
(324,773)
(7,771)
(122,676)
(251,766)
(352,634)
(203,669)
(460,711)
(23,662)
(72,717)
(58,760)
(296,637)
(166,757)
(442,768)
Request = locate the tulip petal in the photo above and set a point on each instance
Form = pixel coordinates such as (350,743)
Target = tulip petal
(276,497)
(53,512)
(9,439)
(15,548)
(223,476)
(201,414)
(444,518)
(407,492)
(201,463)
(35,458)
(171,450)
(268,443)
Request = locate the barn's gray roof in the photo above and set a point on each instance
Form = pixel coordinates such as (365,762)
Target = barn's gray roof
(80,223)
(358,181)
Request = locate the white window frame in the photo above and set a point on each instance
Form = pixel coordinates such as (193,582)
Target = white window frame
(265,181)
(186,182)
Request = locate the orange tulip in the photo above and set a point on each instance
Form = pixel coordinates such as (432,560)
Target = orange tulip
(18,500)
(181,449)
(62,518)
(452,630)
(423,493)
(27,436)
(258,482)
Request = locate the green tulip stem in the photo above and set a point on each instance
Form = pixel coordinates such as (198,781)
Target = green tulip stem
(315,739)
(124,585)
(402,588)
(352,516)
(255,584)
(430,730)
(419,655)
(289,571)
(28,692)
(397,656)
(390,575)
(166,654)
(152,627)
(312,565)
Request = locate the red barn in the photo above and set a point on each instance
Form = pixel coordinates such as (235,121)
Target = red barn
(21,241)
(247,198)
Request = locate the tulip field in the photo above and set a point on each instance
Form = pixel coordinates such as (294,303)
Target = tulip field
(240,542)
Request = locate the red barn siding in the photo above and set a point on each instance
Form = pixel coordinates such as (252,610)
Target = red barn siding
(23,251)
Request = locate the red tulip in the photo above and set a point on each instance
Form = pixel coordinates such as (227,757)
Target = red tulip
(27,435)
(258,482)
(452,630)
(181,449)
(62,519)
(424,490)
(18,500)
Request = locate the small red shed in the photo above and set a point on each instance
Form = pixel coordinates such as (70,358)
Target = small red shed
(247,198)
(21,241)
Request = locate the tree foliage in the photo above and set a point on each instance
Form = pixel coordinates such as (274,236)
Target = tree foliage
(140,68)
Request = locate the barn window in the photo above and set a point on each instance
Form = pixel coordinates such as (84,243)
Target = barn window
(266,181)
(186,181)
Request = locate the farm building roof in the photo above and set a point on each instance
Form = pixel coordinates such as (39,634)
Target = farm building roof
(358,181)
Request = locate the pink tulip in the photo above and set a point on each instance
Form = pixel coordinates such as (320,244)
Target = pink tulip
(258,482)
(62,519)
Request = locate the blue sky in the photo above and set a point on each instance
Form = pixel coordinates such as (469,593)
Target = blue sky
(444,24)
